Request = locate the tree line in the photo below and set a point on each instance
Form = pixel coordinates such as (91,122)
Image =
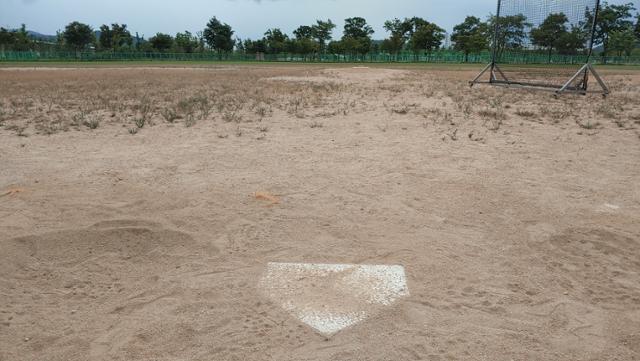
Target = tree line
(617,31)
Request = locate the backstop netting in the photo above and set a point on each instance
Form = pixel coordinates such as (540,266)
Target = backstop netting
(551,29)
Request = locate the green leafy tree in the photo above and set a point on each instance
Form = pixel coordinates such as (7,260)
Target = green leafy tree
(106,38)
(201,41)
(219,36)
(115,37)
(161,42)
(78,36)
(426,37)
(570,42)
(357,28)
(305,46)
(311,39)
(18,40)
(137,42)
(399,34)
(548,33)
(303,32)
(59,40)
(637,28)
(414,23)
(612,18)
(254,47)
(623,41)
(321,32)
(304,42)
(359,46)
(186,42)
(336,47)
(6,36)
(356,37)
(471,36)
(23,41)
(375,46)
(121,36)
(511,32)
(275,41)
(239,45)
(7,40)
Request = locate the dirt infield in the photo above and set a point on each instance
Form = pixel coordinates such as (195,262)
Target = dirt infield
(140,207)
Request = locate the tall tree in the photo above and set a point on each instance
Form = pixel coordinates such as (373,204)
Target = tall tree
(570,42)
(219,36)
(115,37)
(6,36)
(622,41)
(60,40)
(399,34)
(303,32)
(471,36)
(304,46)
(6,39)
(201,42)
(357,28)
(106,38)
(426,36)
(356,36)
(611,18)
(121,36)
(337,47)
(511,32)
(275,40)
(637,28)
(186,42)
(322,31)
(78,35)
(161,42)
(18,40)
(304,42)
(254,47)
(547,34)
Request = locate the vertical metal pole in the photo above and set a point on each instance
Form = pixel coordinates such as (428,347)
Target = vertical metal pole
(495,41)
(593,29)
(596,12)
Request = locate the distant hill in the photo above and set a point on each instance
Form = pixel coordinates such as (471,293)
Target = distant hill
(42,37)
(50,38)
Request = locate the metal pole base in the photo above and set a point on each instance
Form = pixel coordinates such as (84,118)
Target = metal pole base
(498,78)
(494,71)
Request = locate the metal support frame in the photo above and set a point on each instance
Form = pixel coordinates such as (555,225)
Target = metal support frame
(585,70)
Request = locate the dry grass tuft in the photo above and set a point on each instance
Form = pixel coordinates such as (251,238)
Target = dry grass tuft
(526,113)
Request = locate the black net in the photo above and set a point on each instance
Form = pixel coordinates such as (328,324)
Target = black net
(553,32)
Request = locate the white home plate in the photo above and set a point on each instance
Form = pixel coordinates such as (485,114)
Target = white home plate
(332,297)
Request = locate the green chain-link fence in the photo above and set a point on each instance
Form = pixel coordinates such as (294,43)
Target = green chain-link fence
(442,56)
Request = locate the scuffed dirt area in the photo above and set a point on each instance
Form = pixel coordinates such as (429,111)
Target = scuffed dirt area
(140,206)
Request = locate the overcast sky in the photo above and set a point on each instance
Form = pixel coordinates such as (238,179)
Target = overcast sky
(249,18)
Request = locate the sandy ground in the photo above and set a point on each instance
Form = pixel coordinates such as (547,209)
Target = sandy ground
(515,215)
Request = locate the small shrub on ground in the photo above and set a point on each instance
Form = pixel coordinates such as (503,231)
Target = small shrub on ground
(526,113)
(139,122)
(169,114)
(92,123)
(190,121)
(78,118)
(492,114)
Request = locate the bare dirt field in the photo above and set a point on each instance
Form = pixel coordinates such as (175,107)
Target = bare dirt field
(140,207)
